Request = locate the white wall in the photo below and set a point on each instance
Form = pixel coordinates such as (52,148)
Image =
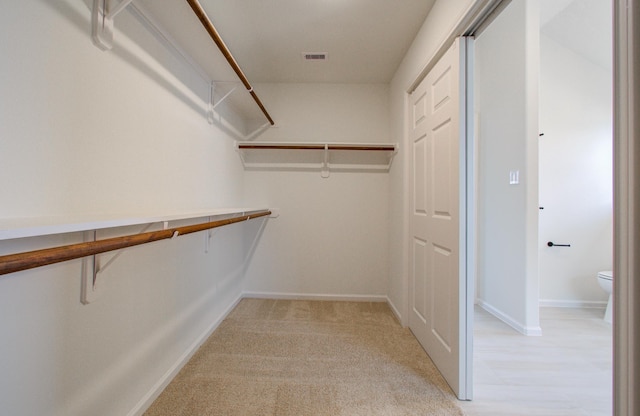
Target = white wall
(89,132)
(331,237)
(440,22)
(506,79)
(575,175)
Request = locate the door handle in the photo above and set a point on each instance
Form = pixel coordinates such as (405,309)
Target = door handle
(552,244)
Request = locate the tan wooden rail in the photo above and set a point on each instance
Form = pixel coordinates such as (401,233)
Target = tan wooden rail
(206,22)
(314,147)
(28,260)
(282,146)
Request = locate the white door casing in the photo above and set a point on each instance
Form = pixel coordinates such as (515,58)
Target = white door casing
(437,289)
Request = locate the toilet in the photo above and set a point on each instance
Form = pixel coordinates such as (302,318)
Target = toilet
(605,280)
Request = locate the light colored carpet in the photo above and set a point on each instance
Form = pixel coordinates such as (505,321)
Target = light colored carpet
(279,357)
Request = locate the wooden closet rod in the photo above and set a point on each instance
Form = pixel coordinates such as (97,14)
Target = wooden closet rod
(28,260)
(314,147)
(206,22)
(281,146)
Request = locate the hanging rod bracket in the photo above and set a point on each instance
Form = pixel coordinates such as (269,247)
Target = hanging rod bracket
(325,163)
(88,287)
(102,16)
(207,237)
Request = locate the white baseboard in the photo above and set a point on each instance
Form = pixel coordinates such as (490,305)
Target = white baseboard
(314,296)
(148,399)
(395,310)
(523,329)
(555,303)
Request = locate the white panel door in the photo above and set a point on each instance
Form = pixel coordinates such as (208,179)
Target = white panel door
(437,308)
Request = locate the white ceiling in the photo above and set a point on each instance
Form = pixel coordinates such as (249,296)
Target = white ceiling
(583,26)
(365,39)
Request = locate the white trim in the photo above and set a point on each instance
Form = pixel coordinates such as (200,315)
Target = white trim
(471,209)
(395,311)
(406,208)
(523,329)
(476,12)
(147,400)
(315,296)
(558,303)
(626,290)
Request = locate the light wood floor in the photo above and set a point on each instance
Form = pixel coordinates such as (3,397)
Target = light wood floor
(567,371)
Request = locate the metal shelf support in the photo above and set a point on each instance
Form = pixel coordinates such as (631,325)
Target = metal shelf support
(102,16)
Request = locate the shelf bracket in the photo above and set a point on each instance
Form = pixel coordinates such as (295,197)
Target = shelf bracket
(257,131)
(325,164)
(207,237)
(224,97)
(91,268)
(88,289)
(102,16)
(212,101)
(210,113)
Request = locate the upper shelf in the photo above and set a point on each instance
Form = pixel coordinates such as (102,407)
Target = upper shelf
(323,156)
(186,30)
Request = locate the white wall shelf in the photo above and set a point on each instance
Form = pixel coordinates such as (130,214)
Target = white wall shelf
(317,156)
(91,247)
(184,28)
(11,228)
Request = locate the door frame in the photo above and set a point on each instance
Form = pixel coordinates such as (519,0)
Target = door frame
(626,326)
(626,266)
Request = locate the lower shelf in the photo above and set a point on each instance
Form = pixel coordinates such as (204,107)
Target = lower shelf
(11,228)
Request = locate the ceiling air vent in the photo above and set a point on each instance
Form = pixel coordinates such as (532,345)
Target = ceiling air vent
(315,56)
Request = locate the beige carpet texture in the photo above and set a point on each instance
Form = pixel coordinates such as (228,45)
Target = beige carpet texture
(281,357)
